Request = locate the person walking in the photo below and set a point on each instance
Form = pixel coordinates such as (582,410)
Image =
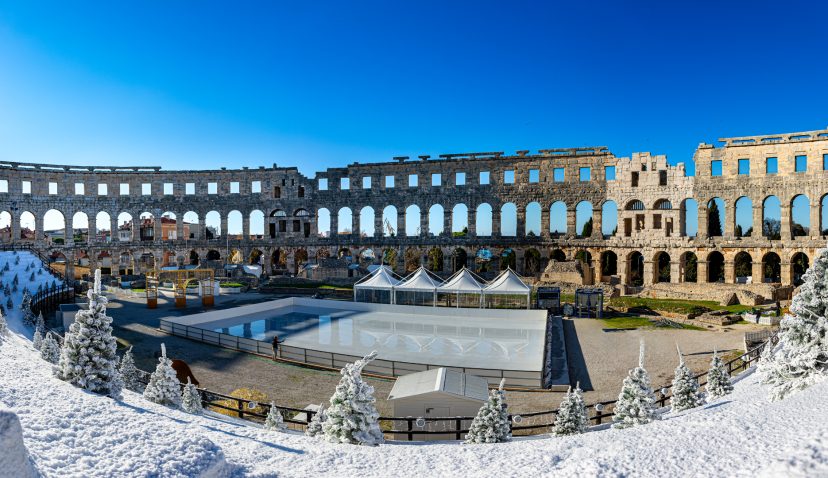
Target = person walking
(275,344)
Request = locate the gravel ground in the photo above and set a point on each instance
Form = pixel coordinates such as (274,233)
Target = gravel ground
(599,358)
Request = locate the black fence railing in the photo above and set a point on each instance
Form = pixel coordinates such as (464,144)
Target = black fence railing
(48,300)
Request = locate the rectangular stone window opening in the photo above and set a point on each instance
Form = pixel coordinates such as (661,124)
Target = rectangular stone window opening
(344,184)
(558,175)
(484,177)
(656,221)
(825,162)
(26,187)
(744,167)
(584,174)
(4,185)
(256,187)
(146,189)
(124,189)
(609,173)
(534,175)
(189,189)
(53,190)
(366,182)
(509,176)
(634,179)
(212,188)
(168,189)
(301,191)
(771,166)
(662,178)
(102,190)
(460,179)
(436,179)
(235,187)
(79,189)
(716,167)
(323,184)
(413,181)
(800,163)
(389,182)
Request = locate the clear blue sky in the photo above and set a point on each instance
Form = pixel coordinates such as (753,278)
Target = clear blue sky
(317,84)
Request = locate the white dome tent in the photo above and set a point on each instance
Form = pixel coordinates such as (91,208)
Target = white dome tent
(377,287)
(507,291)
(463,289)
(418,288)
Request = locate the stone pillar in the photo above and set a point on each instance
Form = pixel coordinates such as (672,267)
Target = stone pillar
(70,265)
(649,272)
(68,233)
(447,213)
(757,274)
(245,227)
(596,268)
(729,272)
(223,228)
(571,224)
(675,271)
(156,226)
(786,273)
(597,218)
(401,222)
(757,221)
(786,222)
(520,229)
(702,232)
(334,225)
(495,222)
(816,219)
(729,228)
(179,229)
(92,232)
(544,232)
(15,228)
(520,262)
(424,221)
(622,268)
(38,228)
(701,271)
(472,222)
(378,225)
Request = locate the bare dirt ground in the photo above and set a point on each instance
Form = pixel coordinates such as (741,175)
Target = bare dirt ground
(599,358)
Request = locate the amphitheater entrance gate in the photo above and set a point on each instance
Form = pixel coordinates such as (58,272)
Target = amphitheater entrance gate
(180,279)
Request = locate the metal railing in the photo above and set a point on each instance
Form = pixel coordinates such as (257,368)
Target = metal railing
(48,300)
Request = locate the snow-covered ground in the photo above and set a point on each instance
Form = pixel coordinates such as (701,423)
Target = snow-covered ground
(69,432)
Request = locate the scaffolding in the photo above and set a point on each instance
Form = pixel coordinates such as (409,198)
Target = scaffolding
(181,278)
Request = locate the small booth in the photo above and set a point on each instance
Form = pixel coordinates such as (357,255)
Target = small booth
(507,291)
(549,298)
(377,287)
(589,303)
(418,288)
(463,289)
(437,393)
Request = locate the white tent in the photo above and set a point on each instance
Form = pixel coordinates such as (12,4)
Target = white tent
(463,286)
(377,286)
(508,285)
(418,288)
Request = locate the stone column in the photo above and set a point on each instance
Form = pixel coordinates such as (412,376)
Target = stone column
(757,274)
(675,271)
(401,222)
(447,213)
(520,262)
(571,224)
(378,225)
(15,228)
(424,221)
(334,225)
(223,228)
(649,272)
(520,229)
(729,228)
(156,226)
(179,228)
(38,228)
(786,222)
(786,273)
(544,232)
(597,218)
(816,219)
(245,227)
(729,272)
(702,232)
(701,271)
(92,232)
(70,265)
(495,222)
(757,221)
(596,268)
(472,222)
(68,233)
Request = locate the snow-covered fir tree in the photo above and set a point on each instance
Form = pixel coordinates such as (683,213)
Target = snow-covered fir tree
(353,416)
(15,280)
(191,399)
(37,339)
(274,420)
(26,309)
(163,386)
(4,326)
(801,356)
(50,349)
(636,403)
(572,415)
(491,424)
(718,380)
(87,358)
(129,373)
(9,304)
(315,424)
(685,388)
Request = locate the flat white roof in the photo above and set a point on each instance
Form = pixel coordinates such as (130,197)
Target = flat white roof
(441,380)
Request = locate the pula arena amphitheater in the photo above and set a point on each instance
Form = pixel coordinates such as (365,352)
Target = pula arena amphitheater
(750,219)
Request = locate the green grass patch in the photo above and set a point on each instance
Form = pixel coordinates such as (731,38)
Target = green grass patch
(231,284)
(626,322)
(676,306)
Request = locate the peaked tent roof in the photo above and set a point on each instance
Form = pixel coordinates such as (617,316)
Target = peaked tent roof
(419,281)
(462,281)
(380,279)
(508,282)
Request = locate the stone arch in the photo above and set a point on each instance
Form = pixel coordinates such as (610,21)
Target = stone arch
(689,217)
(557,255)
(323,222)
(609,264)
(191,225)
(771,267)
(256,224)
(634,205)
(635,269)
(235,257)
(508,219)
(212,225)
(390,257)
(508,259)
(413,221)
(460,220)
(532,261)
(367,257)
(743,217)
(800,216)
(533,219)
(799,266)
(412,258)
(661,267)
(459,259)
(662,205)
(609,218)
(53,220)
(483,259)
(300,258)
(103,226)
(390,221)
(125,226)
(743,267)
(583,219)
(367,222)
(435,259)
(6,226)
(235,224)
(483,220)
(436,220)
(771,218)
(213,255)
(80,223)
(345,221)
(28,226)
(557,218)
(169,221)
(194,258)
(255,257)
(715,267)
(278,260)
(689,265)
(716,217)
(584,256)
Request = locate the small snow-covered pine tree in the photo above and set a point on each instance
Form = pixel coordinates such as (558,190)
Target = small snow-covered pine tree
(32,277)
(801,356)
(37,339)
(129,373)
(315,424)
(274,420)
(163,386)
(353,416)
(491,424)
(572,415)
(685,388)
(9,304)
(4,326)
(87,358)
(718,380)
(26,308)
(50,349)
(191,399)
(636,403)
